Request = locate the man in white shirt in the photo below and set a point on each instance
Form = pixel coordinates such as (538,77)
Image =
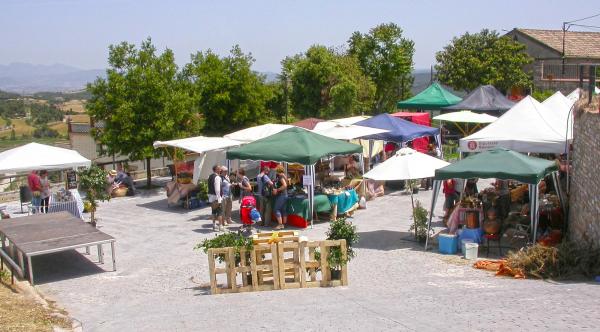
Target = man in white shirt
(215,198)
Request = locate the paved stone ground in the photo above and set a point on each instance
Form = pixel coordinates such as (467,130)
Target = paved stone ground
(393,283)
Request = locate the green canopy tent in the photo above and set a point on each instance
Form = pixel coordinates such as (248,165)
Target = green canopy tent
(295,145)
(501,164)
(434,97)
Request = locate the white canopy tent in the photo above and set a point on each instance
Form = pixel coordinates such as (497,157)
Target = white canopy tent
(560,106)
(198,144)
(210,150)
(348,132)
(35,156)
(342,121)
(527,127)
(407,164)
(255,133)
(466,117)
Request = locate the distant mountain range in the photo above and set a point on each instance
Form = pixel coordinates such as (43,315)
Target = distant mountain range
(27,78)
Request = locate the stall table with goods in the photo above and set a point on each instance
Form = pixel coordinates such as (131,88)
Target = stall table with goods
(329,201)
(66,200)
(516,207)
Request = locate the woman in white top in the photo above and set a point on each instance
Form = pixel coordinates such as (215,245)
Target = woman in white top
(45,193)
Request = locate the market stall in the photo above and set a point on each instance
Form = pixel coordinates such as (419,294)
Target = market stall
(35,156)
(407,164)
(484,99)
(506,166)
(420,144)
(432,98)
(528,127)
(207,152)
(295,145)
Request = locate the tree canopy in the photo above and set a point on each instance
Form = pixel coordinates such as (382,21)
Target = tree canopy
(327,84)
(143,99)
(387,58)
(226,91)
(483,58)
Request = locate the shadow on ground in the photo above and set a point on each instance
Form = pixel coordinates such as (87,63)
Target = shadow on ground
(387,240)
(67,265)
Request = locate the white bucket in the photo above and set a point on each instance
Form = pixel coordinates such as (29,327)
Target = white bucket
(462,244)
(471,250)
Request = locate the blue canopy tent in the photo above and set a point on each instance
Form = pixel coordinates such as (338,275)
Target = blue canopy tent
(399,130)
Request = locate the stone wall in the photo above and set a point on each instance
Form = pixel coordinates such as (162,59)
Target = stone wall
(584,218)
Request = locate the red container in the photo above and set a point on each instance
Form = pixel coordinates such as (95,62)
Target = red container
(248,203)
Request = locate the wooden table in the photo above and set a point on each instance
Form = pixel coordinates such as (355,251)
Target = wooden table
(23,238)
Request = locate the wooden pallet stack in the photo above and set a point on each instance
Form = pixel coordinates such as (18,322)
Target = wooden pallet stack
(283,261)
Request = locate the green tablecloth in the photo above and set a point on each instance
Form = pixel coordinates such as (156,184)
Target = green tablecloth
(300,206)
(344,201)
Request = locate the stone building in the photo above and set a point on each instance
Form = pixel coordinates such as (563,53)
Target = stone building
(550,70)
(82,141)
(584,200)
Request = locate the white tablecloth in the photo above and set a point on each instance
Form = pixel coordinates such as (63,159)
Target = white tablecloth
(75,206)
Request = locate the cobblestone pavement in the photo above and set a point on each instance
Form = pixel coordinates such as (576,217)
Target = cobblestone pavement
(393,283)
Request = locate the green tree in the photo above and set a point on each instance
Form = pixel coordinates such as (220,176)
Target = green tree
(483,58)
(93,181)
(327,84)
(226,91)
(142,100)
(387,58)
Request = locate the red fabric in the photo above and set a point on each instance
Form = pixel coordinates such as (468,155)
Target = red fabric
(33,180)
(248,203)
(308,123)
(271,164)
(296,221)
(421,118)
(449,187)
(420,144)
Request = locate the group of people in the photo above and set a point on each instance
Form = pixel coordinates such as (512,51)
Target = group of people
(271,195)
(39,185)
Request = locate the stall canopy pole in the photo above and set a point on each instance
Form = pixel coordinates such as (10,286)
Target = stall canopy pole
(362,169)
(312,195)
(435,192)
(559,192)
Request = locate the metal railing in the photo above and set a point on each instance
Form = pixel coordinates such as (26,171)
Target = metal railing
(563,72)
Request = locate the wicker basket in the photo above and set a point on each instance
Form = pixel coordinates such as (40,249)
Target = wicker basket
(119,192)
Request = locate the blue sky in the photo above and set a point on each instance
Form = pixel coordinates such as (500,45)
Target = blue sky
(78,32)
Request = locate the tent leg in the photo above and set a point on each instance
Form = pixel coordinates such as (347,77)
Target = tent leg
(412,202)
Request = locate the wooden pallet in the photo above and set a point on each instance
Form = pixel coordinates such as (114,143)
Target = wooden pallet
(266,266)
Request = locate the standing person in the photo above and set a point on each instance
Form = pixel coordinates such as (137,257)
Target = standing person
(35,185)
(227,199)
(264,186)
(215,199)
(281,196)
(45,196)
(244,183)
(451,196)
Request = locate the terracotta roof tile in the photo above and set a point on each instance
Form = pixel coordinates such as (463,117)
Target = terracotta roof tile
(578,44)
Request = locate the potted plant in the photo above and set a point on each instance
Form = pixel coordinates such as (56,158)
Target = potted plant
(338,230)
(203,191)
(93,182)
(419,225)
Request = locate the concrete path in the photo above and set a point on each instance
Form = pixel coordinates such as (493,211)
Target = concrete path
(393,283)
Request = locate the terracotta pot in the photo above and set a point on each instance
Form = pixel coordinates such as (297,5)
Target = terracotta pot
(472,219)
(491,226)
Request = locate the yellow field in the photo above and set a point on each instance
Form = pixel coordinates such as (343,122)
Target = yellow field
(77,106)
(61,127)
(20,128)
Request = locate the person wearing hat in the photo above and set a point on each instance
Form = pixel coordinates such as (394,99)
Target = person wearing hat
(110,180)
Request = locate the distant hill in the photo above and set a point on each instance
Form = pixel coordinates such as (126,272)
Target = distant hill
(28,78)
(422,79)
